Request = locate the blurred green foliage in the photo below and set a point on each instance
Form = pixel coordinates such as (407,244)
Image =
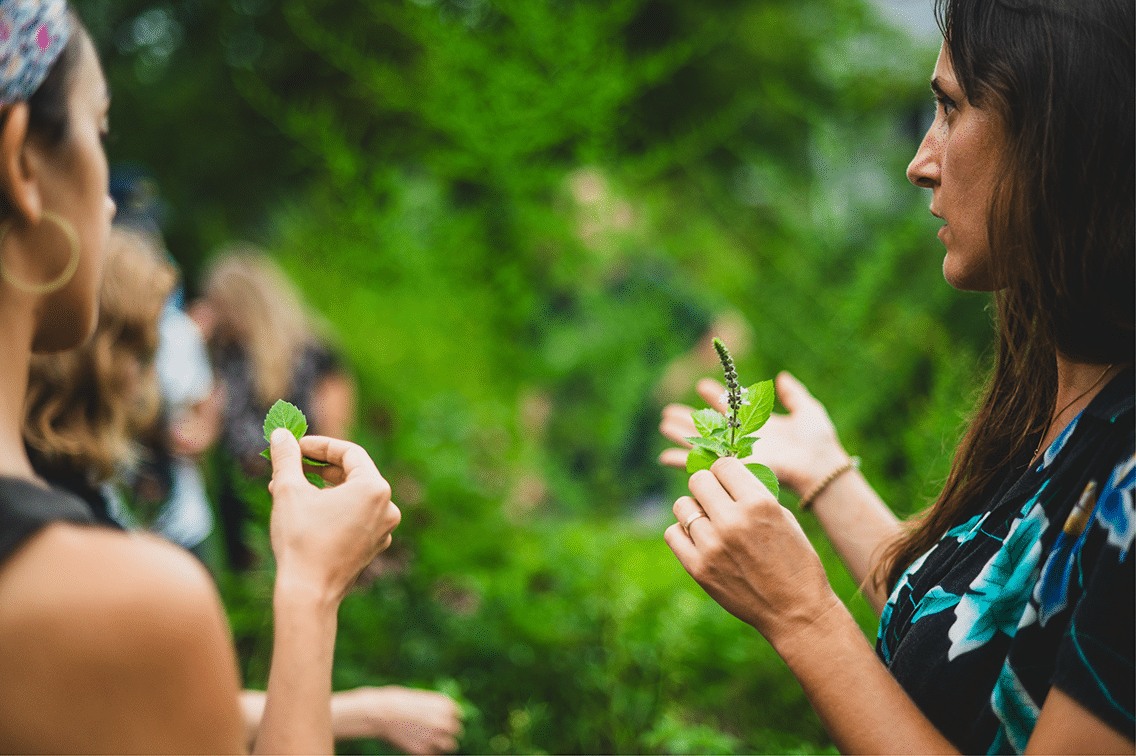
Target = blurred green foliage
(522,216)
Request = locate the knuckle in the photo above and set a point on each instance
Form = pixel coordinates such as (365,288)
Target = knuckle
(375,487)
(394,515)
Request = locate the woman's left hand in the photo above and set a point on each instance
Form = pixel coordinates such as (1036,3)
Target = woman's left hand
(749,553)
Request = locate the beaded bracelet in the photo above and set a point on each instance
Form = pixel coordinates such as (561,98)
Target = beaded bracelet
(807,501)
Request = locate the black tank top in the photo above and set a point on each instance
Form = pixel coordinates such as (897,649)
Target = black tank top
(26,507)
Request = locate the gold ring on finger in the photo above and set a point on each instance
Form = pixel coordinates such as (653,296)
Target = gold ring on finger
(692,518)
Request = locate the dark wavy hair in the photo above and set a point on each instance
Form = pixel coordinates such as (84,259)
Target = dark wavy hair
(1059,73)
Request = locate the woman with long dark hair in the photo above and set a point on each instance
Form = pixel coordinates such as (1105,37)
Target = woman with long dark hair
(1006,610)
(113,642)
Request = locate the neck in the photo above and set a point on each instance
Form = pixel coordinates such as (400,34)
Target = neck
(1077,384)
(17,325)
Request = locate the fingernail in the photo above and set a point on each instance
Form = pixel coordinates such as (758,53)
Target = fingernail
(279,435)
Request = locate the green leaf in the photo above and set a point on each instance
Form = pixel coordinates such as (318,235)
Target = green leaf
(710,444)
(743,448)
(700,459)
(765,475)
(753,415)
(707,421)
(315,480)
(285,415)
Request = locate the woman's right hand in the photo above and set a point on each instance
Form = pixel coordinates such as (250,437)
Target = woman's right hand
(324,538)
(800,447)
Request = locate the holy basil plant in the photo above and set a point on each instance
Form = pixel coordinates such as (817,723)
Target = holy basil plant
(286,415)
(733,435)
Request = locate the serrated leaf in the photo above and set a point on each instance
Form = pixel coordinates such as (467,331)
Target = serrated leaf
(711,444)
(285,415)
(699,459)
(753,415)
(766,476)
(707,421)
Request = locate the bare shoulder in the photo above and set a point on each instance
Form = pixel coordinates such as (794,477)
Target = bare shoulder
(112,641)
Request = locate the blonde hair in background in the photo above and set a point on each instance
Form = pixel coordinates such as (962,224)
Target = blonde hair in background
(259,308)
(84,407)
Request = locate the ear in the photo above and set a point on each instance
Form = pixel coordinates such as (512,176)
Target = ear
(18,166)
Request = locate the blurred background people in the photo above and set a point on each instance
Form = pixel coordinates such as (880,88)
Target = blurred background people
(168,493)
(265,345)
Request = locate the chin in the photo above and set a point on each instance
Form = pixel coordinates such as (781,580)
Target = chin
(967,278)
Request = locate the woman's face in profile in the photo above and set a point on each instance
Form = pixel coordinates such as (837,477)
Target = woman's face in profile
(76,186)
(959,161)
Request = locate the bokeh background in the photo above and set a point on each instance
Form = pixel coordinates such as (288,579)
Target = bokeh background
(522,219)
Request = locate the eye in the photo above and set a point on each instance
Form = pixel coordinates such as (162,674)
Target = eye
(946,103)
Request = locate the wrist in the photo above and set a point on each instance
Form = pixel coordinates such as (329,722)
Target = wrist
(810,495)
(809,643)
(292,591)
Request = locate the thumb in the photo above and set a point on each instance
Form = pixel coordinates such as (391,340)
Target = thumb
(286,458)
(791,392)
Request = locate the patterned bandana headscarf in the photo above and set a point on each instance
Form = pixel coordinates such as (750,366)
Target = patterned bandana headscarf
(32,34)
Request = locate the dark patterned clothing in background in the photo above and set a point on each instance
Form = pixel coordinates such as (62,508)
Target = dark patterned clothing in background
(1029,594)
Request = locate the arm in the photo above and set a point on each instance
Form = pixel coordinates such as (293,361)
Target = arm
(113,644)
(750,554)
(414,721)
(801,448)
(322,539)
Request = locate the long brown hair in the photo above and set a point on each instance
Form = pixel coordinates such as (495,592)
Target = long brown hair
(259,308)
(84,407)
(1061,220)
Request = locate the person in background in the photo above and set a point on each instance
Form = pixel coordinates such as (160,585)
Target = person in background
(84,408)
(1007,609)
(265,345)
(113,642)
(166,487)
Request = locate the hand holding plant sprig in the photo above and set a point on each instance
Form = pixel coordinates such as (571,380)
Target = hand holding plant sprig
(733,436)
(287,415)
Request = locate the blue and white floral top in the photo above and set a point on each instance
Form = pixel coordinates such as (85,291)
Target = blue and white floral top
(1037,591)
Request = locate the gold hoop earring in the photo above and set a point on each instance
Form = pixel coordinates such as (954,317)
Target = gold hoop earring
(68,273)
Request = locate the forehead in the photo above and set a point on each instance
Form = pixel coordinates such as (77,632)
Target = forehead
(88,82)
(944,69)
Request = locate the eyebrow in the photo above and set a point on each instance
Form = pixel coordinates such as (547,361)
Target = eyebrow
(936,87)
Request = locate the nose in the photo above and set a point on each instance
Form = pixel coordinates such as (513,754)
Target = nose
(112,207)
(923,170)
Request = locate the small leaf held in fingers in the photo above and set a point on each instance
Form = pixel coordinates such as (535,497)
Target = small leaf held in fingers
(314,479)
(699,459)
(285,415)
(766,476)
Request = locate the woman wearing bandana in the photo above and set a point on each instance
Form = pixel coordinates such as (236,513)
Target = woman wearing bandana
(113,642)
(1007,609)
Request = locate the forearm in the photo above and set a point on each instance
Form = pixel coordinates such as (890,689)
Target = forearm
(861,705)
(858,524)
(297,712)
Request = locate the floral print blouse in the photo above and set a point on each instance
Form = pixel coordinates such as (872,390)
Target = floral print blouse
(1034,592)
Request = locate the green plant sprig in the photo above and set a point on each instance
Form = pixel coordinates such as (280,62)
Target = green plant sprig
(287,415)
(733,435)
